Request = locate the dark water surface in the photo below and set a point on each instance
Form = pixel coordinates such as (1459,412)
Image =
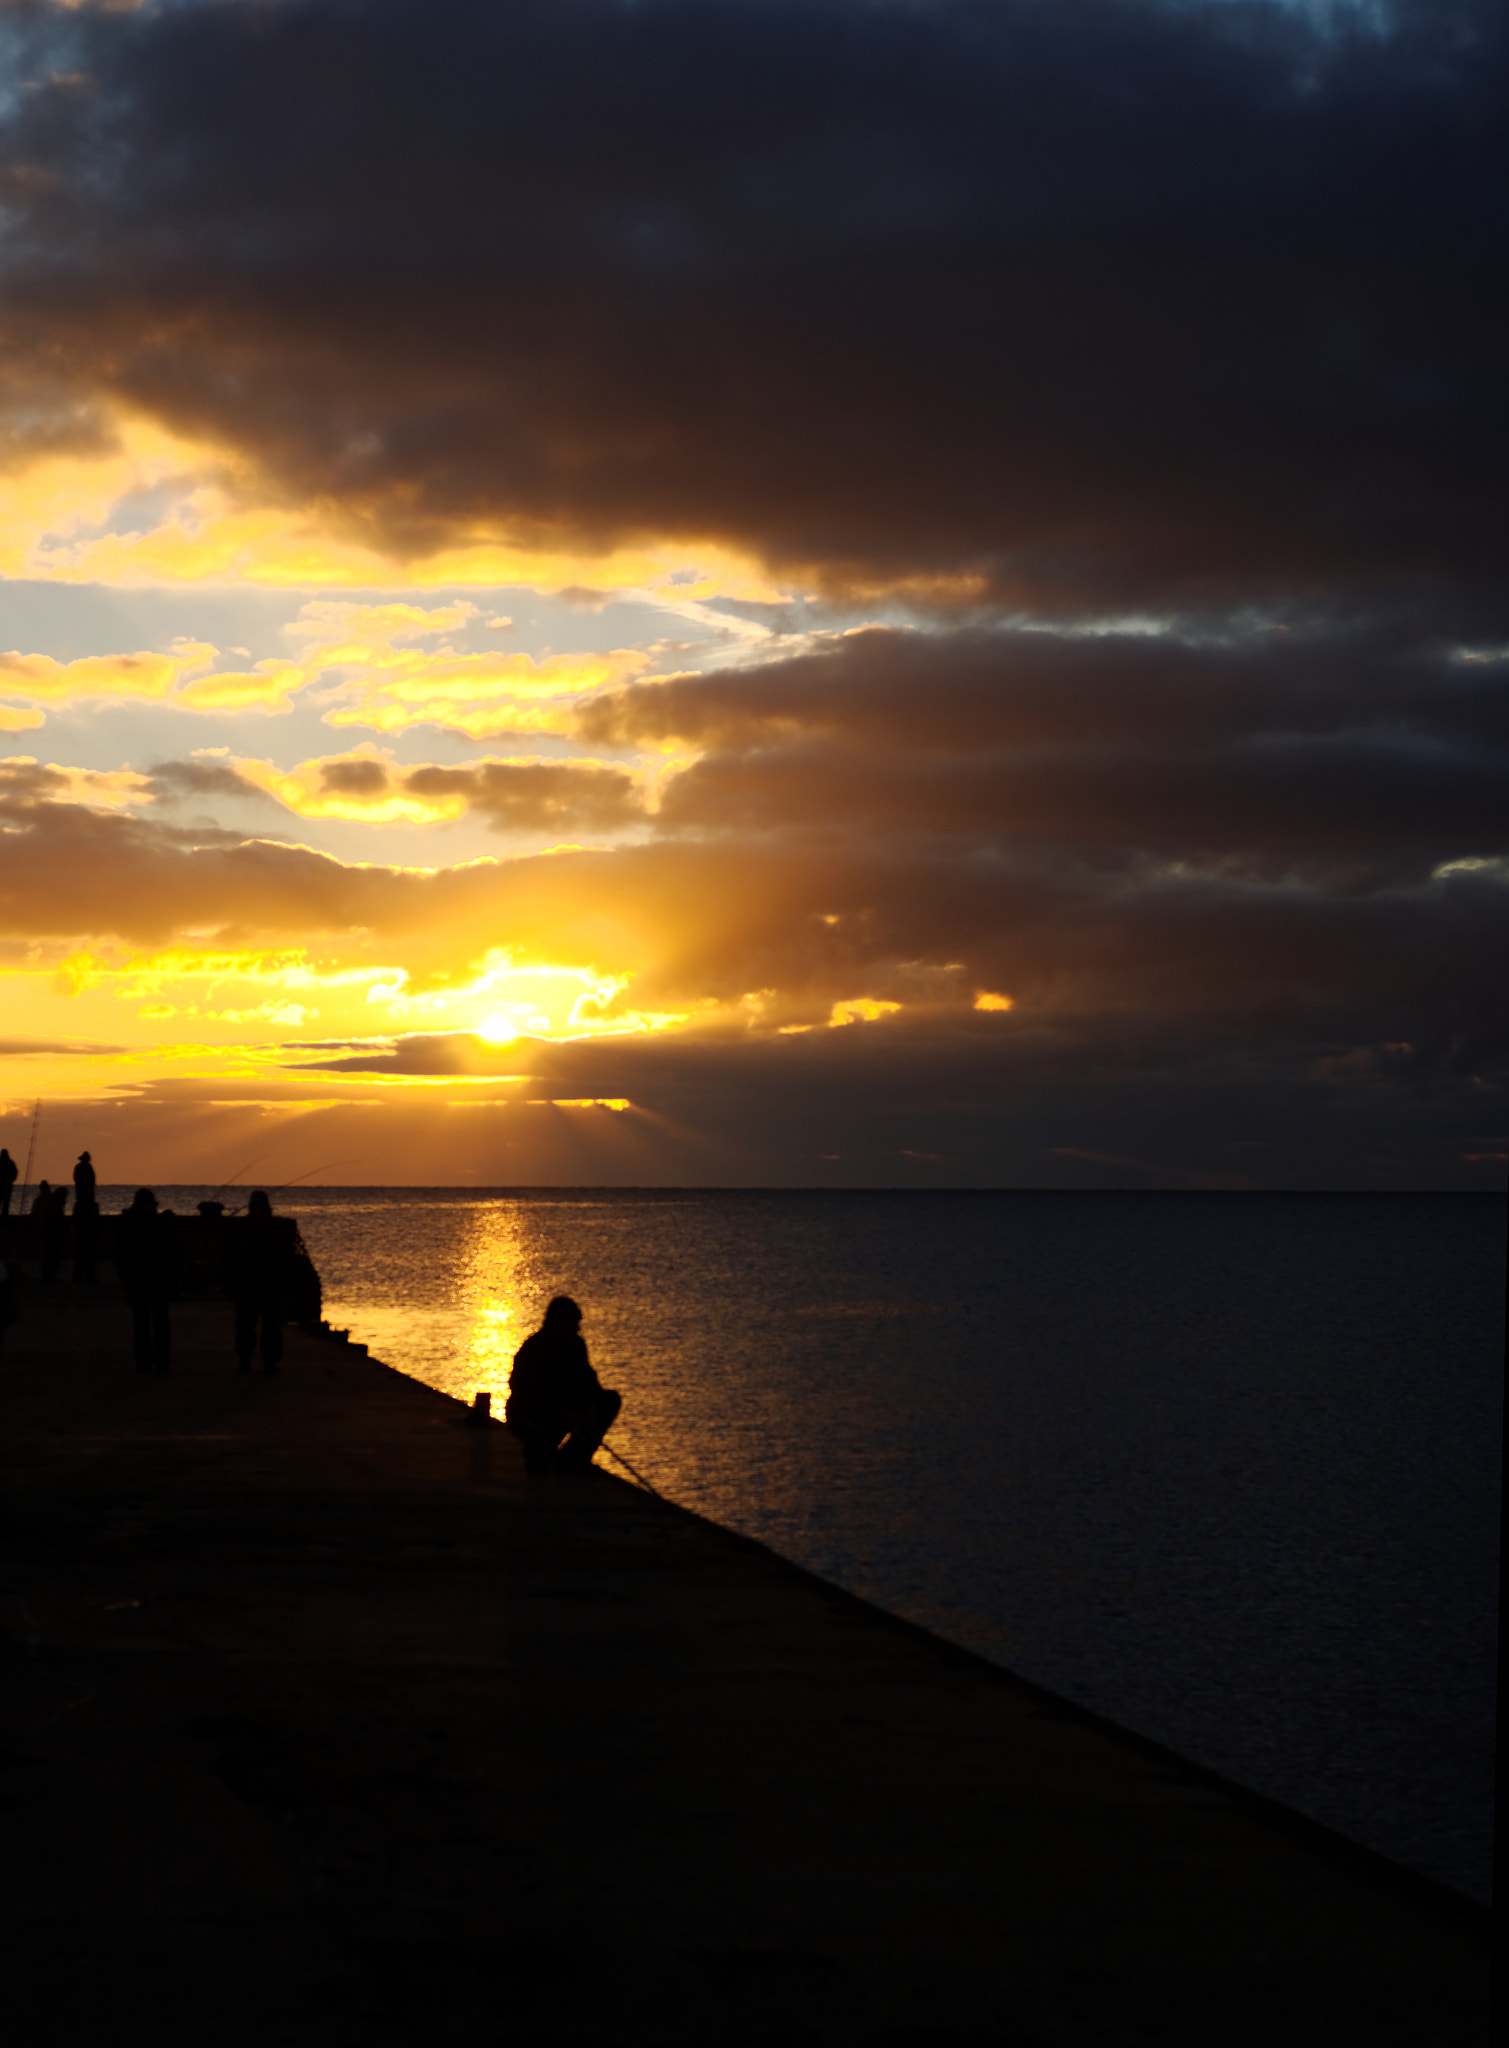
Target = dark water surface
(1224,1467)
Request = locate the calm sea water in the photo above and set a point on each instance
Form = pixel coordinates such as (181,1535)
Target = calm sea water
(1223,1467)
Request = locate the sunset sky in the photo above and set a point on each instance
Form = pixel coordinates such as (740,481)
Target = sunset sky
(788,592)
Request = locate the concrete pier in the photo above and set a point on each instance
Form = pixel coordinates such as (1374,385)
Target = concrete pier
(326,1727)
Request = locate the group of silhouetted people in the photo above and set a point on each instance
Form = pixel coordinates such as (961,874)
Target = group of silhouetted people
(49,1214)
(260,1254)
(557,1406)
(49,1211)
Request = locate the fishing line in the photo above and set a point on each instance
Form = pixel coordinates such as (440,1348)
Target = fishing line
(313,1169)
(637,1476)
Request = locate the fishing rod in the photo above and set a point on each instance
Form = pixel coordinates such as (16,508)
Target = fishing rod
(236,1176)
(36,1118)
(287,1183)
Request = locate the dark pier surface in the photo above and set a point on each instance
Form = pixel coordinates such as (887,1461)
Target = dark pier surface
(326,1727)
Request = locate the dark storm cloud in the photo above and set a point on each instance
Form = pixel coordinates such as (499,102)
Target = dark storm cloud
(1277,808)
(1416,672)
(1113,301)
(1355,750)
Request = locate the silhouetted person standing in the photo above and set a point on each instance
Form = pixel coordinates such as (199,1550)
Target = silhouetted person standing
(147,1259)
(8,1172)
(259,1260)
(86,1225)
(556,1402)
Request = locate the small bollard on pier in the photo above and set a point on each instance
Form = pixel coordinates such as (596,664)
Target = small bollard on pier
(482,1410)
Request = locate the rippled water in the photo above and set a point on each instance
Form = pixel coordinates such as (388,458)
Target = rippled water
(1224,1467)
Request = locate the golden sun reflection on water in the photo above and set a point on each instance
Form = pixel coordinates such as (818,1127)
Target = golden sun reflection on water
(448,1306)
(496,1300)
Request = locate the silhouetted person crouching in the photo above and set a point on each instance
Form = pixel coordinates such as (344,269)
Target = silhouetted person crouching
(259,1257)
(556,1403)
(147,1259)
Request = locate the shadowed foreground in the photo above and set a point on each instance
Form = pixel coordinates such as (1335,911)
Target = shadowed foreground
(325,1727)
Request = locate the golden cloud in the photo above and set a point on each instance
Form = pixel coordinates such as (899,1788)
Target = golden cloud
(268,687)
(43,680)
(369,671)
(861,1010)
(359,785)
(390,686)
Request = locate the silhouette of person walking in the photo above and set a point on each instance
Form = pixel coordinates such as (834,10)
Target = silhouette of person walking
(258,1269)
(147,1259)
(8,1172)
(86,1221)
(557,1404)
